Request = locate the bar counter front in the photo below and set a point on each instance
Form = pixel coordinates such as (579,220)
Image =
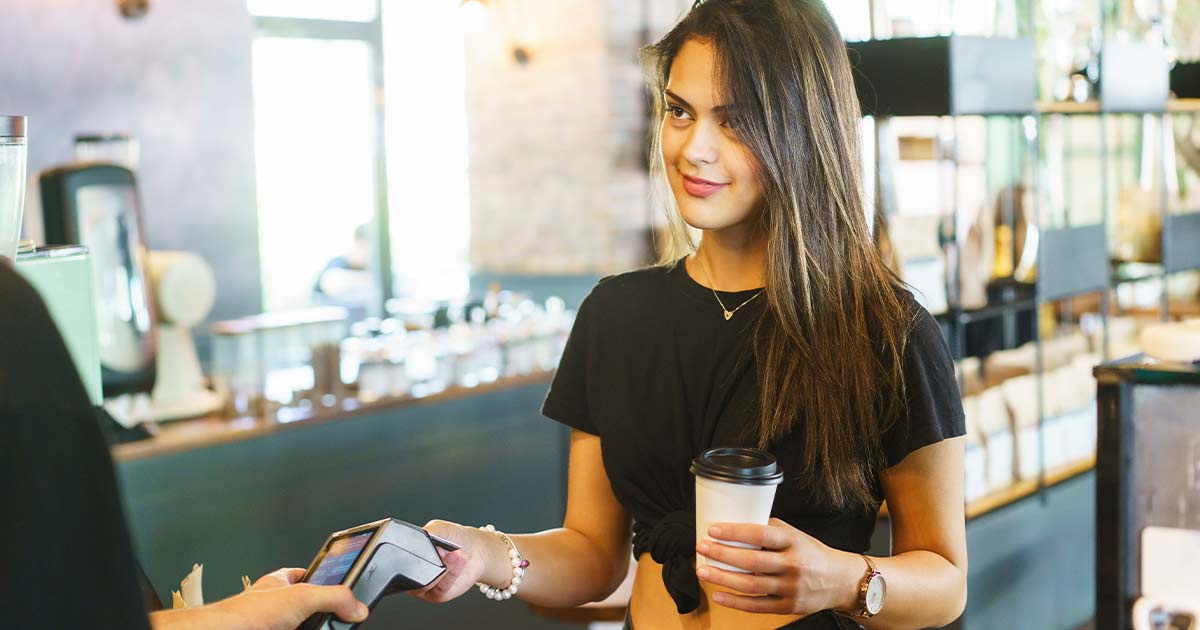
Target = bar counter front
(245,497)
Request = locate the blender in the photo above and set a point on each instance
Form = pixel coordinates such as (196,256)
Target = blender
(12,184)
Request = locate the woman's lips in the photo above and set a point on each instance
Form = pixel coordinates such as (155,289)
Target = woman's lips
(697,187)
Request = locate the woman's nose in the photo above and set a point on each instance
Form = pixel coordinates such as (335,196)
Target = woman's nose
(701,145)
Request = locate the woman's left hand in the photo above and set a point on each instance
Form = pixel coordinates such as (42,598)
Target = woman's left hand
(794,573)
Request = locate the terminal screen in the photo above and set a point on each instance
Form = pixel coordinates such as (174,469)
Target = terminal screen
(339,558)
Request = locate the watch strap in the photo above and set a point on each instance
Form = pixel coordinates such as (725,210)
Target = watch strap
(863,587)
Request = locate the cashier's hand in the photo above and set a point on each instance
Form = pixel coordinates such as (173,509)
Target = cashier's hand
(794,573)
(464,567)
(275,602)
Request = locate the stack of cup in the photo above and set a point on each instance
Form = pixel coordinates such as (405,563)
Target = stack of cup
(733,485)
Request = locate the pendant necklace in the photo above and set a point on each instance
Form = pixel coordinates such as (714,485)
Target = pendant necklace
(728,313)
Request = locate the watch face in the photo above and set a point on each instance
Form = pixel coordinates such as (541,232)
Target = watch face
(876,590)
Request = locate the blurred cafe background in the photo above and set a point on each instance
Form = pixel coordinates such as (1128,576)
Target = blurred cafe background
(335,247)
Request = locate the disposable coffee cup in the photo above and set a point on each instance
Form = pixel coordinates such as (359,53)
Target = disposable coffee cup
(733,485)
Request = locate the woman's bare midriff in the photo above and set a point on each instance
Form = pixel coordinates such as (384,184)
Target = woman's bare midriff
(651,607)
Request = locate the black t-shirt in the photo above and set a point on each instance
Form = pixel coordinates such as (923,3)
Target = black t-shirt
(65,556)
(653,368)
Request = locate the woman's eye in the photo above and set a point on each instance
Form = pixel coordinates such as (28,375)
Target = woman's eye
(676,111)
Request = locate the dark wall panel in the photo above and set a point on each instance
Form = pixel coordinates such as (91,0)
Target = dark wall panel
(256,505)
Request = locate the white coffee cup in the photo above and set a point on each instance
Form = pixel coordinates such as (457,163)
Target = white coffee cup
(733,485)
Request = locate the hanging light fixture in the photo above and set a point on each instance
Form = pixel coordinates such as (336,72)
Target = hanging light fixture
(474,17)
(133,9)
(473,14)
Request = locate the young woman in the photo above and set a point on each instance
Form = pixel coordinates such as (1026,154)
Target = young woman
(783,329)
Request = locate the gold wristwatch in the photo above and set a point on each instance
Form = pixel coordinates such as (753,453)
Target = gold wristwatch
(871,591)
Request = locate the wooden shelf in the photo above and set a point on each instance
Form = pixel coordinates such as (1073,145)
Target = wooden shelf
(1068,107)
(1022,489)
(185,435)
(1176,309)
(1184,106)
(1174,106)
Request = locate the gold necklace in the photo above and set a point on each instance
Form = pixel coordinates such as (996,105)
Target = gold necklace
(728,313)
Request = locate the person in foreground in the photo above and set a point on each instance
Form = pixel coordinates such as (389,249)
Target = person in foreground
(67,562)
(780,328)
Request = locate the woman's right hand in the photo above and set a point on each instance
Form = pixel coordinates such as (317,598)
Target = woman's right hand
(464,567)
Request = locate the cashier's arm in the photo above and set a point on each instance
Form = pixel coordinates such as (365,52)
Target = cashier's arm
(276,602)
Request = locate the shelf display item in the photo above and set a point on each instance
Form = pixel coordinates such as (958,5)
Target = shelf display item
(997,427)
(1139,225)
(1020,396)
(1177,342)
(1003,365)
(975,466)
(916,243)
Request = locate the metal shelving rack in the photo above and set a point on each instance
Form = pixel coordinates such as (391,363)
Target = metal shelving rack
(950,77)
(960,76)
(953,76)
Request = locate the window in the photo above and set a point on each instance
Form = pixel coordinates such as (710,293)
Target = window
(853,18)
(325,167)
(313,128)
(425,77)
(347,10)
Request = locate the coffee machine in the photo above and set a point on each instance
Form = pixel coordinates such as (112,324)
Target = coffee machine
(62,275)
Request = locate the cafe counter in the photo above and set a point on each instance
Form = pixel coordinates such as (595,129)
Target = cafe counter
(245,497)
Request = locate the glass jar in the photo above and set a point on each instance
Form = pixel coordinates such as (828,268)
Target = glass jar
(12,184)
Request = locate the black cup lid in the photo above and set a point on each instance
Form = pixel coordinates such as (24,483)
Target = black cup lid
(746,466)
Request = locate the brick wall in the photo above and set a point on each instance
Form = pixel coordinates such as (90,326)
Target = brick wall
(557,144)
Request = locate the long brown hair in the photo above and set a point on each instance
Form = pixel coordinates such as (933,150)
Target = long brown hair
(829,348)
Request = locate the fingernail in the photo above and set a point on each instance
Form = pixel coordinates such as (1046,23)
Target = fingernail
(719,598)
(702,547)
(714,531)
(702,574)
(362,611)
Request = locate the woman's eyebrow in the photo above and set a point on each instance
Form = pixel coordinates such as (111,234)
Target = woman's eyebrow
(675,96)
(719,110)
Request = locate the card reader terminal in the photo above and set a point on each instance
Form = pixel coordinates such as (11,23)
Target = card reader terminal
(374,560)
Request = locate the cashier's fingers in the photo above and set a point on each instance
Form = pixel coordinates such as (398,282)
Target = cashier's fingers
(335,599)
(292,575)
(278,578)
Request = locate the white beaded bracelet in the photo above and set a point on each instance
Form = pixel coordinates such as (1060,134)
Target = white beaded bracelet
(519,564)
